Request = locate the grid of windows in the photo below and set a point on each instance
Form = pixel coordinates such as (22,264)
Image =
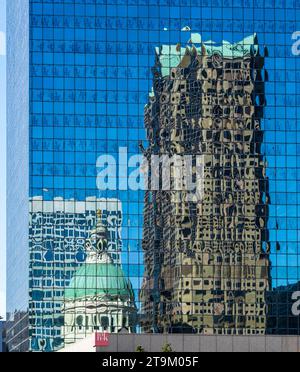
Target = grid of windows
(165,267)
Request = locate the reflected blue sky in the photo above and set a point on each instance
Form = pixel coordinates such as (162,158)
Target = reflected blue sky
(125,81)
(2,165)
(124,67)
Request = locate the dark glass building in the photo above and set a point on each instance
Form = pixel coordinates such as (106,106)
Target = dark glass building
(284,310)
(82,229)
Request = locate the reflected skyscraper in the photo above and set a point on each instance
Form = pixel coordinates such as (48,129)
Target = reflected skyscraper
(207,266)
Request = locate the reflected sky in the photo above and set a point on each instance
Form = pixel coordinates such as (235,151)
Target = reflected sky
(2,164)
(122,51)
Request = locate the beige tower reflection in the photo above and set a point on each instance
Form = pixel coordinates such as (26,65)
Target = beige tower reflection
(207,267)
(99,297)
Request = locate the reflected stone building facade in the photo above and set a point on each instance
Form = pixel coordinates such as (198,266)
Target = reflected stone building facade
(207,266)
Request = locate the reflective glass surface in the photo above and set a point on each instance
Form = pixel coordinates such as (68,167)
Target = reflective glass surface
(114,85)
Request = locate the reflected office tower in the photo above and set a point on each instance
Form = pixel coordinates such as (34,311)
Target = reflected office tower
(207,266)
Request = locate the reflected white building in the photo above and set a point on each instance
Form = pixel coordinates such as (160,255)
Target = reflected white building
(58,240)
(99,297)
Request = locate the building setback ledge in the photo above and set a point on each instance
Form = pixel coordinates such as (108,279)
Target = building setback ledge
(197,343)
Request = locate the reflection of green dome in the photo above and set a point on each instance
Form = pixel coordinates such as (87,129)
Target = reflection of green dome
(94,279)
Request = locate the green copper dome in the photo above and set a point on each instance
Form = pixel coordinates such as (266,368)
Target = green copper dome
(94,279)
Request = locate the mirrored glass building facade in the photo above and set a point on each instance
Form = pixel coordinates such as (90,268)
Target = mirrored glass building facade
(98,92)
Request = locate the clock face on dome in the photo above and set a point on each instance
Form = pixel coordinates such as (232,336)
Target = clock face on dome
(102,245)
(97,245)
